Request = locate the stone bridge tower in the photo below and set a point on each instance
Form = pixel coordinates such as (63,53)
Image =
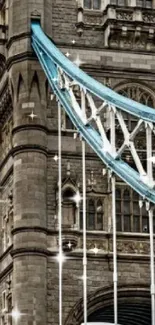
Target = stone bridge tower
(27,91)
(115,42)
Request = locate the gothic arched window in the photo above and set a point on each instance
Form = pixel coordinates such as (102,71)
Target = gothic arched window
(94,214)
(69,208)
(144,3)
(92,4)
(130,217)
(138,93)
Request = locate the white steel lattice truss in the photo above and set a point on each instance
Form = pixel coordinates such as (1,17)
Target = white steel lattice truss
(112,114)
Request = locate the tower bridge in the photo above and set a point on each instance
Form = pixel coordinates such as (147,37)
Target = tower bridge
(77,190)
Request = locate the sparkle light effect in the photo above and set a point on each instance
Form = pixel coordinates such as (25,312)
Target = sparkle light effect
(61,258)
(77,198)
(69,245)
(73,42)
(67,54)
(32,115)
(56,158)
(15,314)
(83,277)
(77,61)
(95,250)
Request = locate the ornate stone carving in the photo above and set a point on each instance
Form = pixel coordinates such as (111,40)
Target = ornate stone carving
(91,243)
(131,247)
(147,18)
(92,20)
(123,15)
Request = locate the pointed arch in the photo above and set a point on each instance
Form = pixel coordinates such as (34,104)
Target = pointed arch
(20,85)
(35,86)
(102,300)
(137,91)
(70,210)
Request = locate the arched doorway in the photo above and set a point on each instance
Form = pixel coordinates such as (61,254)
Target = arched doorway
(134,306)
(128,314)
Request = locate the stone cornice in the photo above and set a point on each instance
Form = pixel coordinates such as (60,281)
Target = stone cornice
(18,230)
(26,127)
(30,251)
(28,55)
(17,38)
(29,147)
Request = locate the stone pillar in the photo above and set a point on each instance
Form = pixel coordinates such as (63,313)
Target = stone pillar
(28,87)
(29,193)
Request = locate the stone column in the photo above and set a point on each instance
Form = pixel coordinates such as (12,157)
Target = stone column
(29,193)
(28,87)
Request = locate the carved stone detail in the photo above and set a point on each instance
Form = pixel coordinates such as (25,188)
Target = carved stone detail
(131,247)
(147,18)
(92,19)
(124,15)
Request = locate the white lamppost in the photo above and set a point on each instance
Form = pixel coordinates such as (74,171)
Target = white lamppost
(113,187)
(60,256)
(150,161)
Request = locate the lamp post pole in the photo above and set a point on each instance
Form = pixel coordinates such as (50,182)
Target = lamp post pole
(60,213)
(152,266)
(113,185)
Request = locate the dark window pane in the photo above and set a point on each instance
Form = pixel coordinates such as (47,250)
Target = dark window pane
(144,212)
(81,219)
(96,4)
(150,102)
(133,124)
(136,210)
(99,206)
(126,195)
(91,206)
(99,225)
(145,224)
(135,196)
(69,124)
(68,194)
(127,223)
(126,207)
(118,206)
(91,215)
(148,4)
(118,223)
(139,3)
(87,4)
(118,194)
(90,221)
(121,2)
(136,224)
